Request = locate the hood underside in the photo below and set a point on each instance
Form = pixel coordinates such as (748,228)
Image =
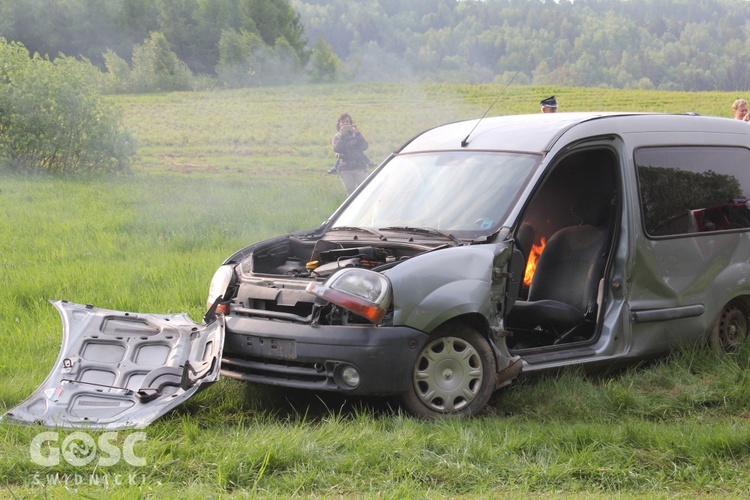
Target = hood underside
(119,370)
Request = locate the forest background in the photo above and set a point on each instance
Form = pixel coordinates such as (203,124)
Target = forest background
(158,45)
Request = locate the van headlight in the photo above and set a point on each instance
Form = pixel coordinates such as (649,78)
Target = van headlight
(219,285)
(363,292)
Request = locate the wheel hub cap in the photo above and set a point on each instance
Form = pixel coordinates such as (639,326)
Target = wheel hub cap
(449,374)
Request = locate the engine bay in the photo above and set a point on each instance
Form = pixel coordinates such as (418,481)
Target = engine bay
(297,258)
(273,277)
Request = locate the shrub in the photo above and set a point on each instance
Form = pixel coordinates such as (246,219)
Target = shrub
(53,118)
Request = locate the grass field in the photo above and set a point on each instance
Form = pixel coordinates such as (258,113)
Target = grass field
(220,170)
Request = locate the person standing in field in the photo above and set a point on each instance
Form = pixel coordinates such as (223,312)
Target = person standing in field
(740,109)
(549,105)
(349,145)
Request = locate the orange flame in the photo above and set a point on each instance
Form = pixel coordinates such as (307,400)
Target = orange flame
(536,251)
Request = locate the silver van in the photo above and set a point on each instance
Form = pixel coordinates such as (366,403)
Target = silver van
(482,249)
(477,251)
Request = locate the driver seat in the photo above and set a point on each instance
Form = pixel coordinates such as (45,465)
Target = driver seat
(563,293)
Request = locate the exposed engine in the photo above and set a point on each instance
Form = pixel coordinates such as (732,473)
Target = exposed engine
(329,261)
(272,279)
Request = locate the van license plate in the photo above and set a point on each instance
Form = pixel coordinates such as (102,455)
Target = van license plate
(273,348)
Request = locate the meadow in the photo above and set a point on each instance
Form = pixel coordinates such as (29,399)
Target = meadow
(219,170)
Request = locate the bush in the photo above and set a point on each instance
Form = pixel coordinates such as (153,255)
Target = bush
(53,118)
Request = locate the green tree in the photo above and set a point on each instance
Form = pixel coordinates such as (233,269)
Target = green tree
(119,76)
(178,26)
(238,62)
(325,63)
(273,20)
(245,60)
(157,69)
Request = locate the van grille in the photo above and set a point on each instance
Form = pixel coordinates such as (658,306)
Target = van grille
(276,371)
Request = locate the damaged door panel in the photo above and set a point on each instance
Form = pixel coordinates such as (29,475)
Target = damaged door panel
(119,370)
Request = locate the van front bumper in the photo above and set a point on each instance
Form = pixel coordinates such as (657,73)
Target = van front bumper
(321,358)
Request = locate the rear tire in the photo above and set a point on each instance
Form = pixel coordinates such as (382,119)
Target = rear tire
(453,374)
(730,331)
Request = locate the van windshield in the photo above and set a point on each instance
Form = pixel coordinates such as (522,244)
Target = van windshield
(466,193)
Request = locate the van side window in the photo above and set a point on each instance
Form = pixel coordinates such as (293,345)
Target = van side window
(686,190)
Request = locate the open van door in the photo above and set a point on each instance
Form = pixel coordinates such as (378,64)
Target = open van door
(120,370)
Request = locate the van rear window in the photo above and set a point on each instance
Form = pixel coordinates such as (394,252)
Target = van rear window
(687,190)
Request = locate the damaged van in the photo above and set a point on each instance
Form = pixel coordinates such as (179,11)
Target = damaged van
(477,251)
(482,249)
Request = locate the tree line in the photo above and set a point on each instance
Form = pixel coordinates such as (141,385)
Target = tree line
(651,44)
(180,44)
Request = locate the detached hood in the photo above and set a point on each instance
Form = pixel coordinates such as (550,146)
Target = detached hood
(119,370)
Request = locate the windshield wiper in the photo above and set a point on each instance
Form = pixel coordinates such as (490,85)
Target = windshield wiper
(361,230)
(423,230)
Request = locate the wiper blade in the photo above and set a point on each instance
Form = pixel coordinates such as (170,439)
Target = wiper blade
(423,230)
(361,230)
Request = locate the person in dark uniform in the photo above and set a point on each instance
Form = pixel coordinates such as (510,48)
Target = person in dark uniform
(549,105)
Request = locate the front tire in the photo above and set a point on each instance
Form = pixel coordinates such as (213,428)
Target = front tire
(453,374)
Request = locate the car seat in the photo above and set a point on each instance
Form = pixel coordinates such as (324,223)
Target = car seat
(563,293)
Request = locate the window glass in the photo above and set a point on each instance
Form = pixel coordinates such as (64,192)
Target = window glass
(693,189)
(467,193)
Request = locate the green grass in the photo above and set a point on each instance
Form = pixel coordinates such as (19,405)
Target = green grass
(219,170)
(287,130)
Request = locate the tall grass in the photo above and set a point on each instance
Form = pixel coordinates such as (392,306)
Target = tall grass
(224,169)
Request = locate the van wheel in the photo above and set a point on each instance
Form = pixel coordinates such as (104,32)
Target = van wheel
(731,328)
(453,374)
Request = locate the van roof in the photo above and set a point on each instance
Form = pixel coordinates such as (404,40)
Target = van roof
(538,132)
